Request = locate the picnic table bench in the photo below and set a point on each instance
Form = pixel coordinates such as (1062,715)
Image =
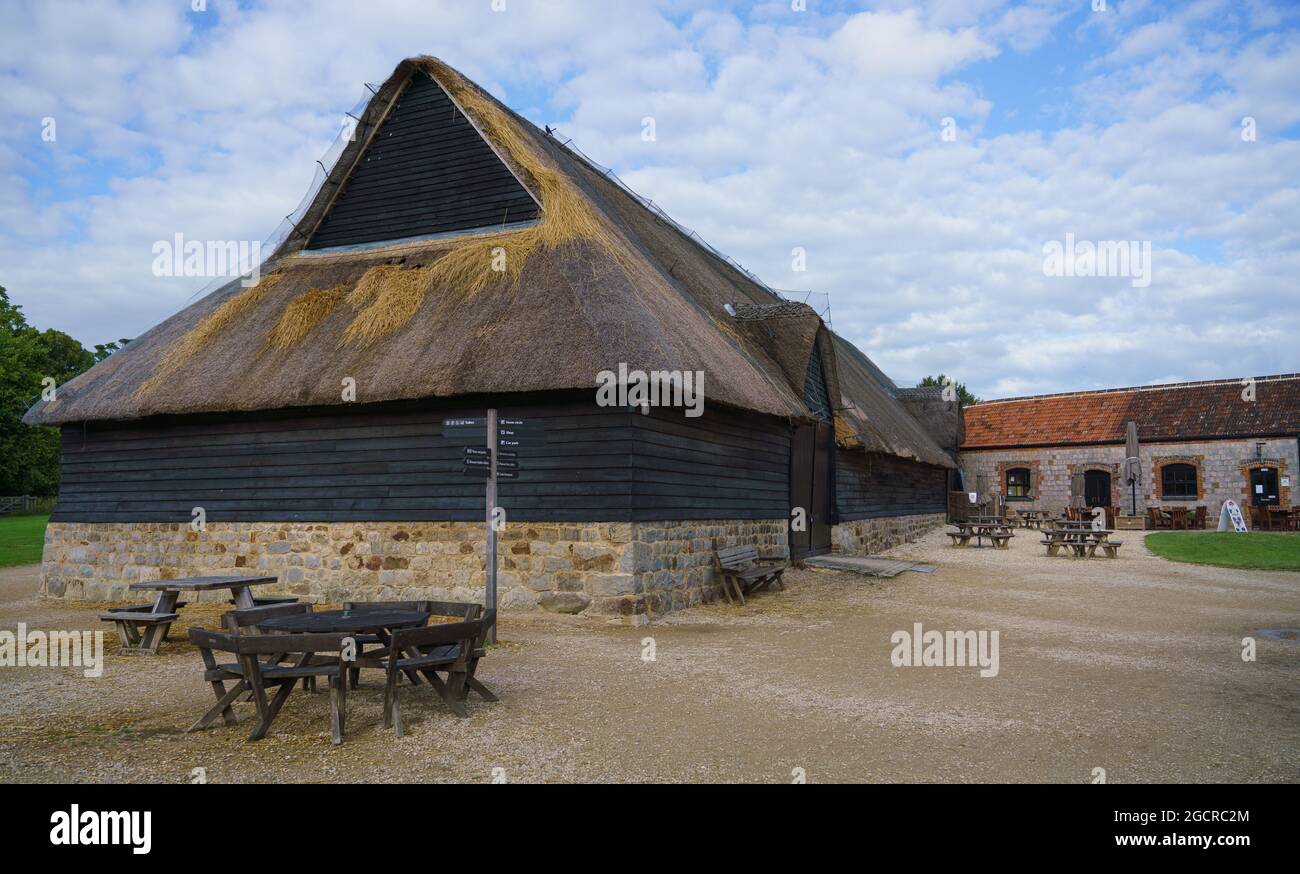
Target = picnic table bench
(143,628)
(999,533)
(743,572)
(1081,542)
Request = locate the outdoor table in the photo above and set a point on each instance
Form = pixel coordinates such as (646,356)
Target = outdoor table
(169,590)
(351,621)
(157,622)
(1077,539)
(380,623)
(980,530)
(1281,519)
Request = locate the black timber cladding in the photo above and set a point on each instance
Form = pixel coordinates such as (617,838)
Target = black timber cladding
(427,171)
(871,485)
(382,464)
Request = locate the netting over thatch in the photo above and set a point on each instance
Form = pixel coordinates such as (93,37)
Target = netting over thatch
(596,281)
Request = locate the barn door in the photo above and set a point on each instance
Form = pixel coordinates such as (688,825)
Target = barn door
(812,454)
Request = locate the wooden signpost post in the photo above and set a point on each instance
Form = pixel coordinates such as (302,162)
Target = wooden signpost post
(497,459)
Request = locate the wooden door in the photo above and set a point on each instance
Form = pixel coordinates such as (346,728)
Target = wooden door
(812,483)
(1096,488)
(1263,487)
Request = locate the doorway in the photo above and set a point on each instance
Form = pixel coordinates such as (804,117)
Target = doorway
(812,456)
(1263,487)
(1096,488)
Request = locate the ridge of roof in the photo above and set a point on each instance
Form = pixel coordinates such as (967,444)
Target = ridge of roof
(1137,388)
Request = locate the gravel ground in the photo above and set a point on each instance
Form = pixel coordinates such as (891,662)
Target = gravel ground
(1132,665)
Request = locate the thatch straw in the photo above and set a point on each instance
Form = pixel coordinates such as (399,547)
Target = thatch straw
(202,334)
(485,260)
(304,313)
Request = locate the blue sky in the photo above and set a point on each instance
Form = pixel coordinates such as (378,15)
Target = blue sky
(776,129)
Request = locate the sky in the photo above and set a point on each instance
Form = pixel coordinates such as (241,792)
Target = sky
(916,167)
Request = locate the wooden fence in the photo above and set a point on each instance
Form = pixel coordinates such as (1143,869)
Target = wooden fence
(16,504)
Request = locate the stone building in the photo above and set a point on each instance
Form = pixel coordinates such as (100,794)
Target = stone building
(455,259)
(1200,443)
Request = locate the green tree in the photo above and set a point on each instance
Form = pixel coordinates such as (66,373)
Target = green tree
(29,457)
(940,381)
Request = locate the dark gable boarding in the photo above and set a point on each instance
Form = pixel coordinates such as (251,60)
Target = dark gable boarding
(426,172)
(393,464)
(869,485)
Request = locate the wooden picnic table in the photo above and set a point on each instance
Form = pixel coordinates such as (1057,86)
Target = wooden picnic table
(169,590)
(380,623)
(350,621)
(1082,542)
(157,621)
(998,532)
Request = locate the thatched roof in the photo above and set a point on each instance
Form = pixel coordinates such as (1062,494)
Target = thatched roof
(599,279)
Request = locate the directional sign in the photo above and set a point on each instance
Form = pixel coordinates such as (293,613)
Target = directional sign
(507,474)
(507,453)
(477,462)
(478,451)
(531,434)
(506,464)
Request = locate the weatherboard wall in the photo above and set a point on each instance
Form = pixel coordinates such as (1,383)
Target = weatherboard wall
(870,485)
(388,464)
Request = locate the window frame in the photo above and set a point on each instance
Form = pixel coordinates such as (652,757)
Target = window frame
(1028,484)
(1174,467)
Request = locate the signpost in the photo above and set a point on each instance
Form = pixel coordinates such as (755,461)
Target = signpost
(498,459)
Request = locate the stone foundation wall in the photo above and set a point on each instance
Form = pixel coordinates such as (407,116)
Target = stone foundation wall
(632,570)
(871,536)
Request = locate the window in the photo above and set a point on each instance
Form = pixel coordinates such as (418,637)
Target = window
(1018,483)
(1178,481)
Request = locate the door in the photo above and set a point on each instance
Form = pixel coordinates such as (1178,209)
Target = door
(1096,488)
(812,456)
(1263,487)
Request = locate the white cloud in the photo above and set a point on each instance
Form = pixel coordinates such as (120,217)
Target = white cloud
(774,131)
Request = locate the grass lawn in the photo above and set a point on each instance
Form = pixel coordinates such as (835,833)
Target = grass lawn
(21,539)
(1260,550)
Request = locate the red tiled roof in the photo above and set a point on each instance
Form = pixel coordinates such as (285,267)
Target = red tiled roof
(1182,411)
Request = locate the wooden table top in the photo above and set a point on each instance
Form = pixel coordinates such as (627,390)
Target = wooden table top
(327,621)
(202,584)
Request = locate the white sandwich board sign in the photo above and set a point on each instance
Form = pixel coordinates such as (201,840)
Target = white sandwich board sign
(1230,518)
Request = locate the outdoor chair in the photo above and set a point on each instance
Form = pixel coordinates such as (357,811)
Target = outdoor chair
(1198,521)
(454,609)
(251,674)
(446,647)
(235,621)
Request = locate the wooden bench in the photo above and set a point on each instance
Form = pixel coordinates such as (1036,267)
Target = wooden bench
(960,538)
(1001,540)
(130,621)
(1053,547)
(742,572)
(1111,547)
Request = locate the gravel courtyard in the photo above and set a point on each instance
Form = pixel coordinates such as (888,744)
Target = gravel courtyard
(1132,665)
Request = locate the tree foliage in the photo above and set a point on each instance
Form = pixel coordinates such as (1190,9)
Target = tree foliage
(29,457)
(940,381)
